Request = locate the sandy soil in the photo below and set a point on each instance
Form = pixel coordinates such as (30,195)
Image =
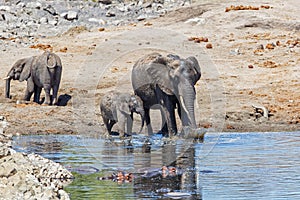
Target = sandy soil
(236,72)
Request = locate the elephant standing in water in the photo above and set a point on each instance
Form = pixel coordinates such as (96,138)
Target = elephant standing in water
(42,71)
(119,107)
(168,81)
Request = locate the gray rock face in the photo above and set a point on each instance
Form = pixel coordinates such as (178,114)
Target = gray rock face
(30,176)
(23,19)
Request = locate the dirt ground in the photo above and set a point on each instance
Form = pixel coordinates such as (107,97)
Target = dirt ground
(252,57)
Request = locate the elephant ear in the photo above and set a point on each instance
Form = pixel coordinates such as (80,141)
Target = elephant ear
(193,61)
(26,71)
(124,108)
(162,76)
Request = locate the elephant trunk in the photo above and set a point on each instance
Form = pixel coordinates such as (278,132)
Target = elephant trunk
(7,88)
(187,106)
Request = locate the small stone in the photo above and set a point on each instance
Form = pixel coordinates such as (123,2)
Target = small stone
(147,24)
(209,46)
(235,51)
(4,8)
(64,15)
(53,22)
(2,17)
(110,14)
(101,29)
(106,2)
(270,46)
(141,17)
(64,49)
(33,4)
(72,15)
(260,46)
(98,21)
(43,20)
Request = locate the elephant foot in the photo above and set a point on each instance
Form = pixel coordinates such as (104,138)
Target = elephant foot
(46,103)
(54,102)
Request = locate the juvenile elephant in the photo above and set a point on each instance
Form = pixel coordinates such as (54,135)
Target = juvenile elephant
(119,107)
(42,71)
(168,81)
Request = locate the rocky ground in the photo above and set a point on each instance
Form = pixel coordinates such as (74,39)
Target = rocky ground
(249,55)
(29,176)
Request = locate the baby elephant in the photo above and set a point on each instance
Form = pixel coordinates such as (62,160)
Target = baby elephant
(119,107)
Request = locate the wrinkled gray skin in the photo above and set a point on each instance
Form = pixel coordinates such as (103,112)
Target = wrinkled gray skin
(119,107)
(168,81)
(42,71)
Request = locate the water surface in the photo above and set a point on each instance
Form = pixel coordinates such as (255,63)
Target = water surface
(237,166)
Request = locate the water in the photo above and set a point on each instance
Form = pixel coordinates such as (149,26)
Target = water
(238,166)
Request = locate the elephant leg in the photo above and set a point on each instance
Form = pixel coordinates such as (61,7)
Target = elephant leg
(54,94)
(106,122)
(122,119)
(168,108)
(47,89)
(110,125)
(164,128)
(29,90)
(129,123)
(171,111)
(148,121)
(37,93)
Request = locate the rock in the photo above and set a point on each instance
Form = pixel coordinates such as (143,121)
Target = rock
(5,8)
(147,5)
(2,17)
(209,46)
(43,20)
(110,14)
(235,52)
(72,15)
(106,2)
(142,17)
(261,46)
(64,15)
(195,21)
(30,176)
(98,21)
(50,10)
(33,4)
(63,195)
(53,22)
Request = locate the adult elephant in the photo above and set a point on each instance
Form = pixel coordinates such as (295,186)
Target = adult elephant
(168,81)
(42,71)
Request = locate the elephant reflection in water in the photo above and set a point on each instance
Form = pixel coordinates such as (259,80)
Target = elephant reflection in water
(168,81)
(180,175)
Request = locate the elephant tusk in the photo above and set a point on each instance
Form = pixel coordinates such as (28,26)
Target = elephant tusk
(6,78)
(184,108)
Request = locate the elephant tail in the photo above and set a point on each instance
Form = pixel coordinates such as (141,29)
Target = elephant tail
(50,60)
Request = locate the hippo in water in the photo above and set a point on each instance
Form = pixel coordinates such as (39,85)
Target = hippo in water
(148,173)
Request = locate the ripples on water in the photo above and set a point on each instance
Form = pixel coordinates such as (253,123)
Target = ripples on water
(239,166)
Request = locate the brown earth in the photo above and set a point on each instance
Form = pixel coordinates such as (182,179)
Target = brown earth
(253,58)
